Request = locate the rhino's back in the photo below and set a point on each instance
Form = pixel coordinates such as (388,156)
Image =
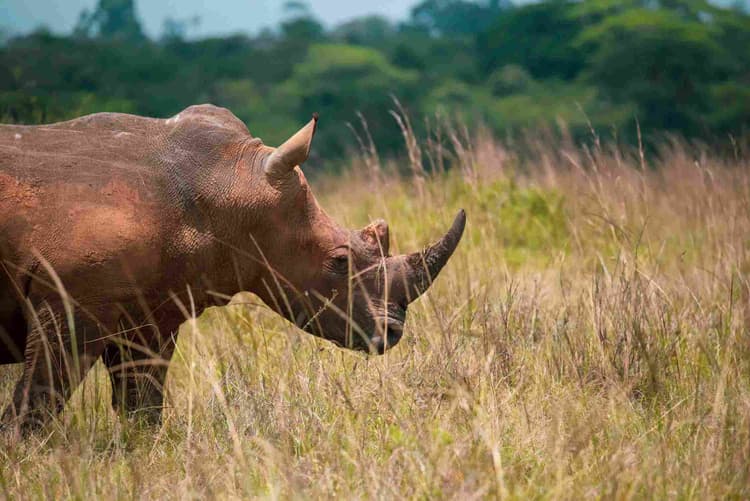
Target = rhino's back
(91,147)
(94,193)
(102,145)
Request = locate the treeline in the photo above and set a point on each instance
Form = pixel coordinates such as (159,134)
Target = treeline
(678,66)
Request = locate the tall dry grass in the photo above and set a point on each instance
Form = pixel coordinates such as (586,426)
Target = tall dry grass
(588,339)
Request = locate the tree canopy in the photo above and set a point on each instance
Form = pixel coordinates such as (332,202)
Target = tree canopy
(678,66)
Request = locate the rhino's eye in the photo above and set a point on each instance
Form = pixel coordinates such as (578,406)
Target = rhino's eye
(339,264)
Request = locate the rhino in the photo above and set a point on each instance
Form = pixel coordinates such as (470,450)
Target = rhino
(115,227)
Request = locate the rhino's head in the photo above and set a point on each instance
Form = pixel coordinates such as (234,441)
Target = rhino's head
(339,284)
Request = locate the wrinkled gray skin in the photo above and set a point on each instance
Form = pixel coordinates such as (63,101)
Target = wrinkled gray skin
(114,228)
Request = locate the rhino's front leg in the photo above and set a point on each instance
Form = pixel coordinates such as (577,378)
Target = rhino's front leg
(56,359)
(138,365)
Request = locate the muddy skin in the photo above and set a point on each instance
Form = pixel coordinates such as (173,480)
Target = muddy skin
(109,223)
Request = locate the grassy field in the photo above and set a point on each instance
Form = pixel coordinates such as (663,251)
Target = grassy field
(589,339)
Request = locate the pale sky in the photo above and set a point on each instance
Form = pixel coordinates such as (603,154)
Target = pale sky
(218,17)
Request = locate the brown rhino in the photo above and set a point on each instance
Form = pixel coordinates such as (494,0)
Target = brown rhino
(113,225)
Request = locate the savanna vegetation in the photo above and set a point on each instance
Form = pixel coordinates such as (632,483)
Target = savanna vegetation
(590,338)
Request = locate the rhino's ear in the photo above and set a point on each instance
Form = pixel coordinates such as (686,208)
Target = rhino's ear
(376,234)
(293,152)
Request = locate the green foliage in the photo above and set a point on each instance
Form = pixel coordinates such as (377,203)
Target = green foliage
(369,30)
(455,17)
(575,105)
(733,105)
(538,37)
(661,60)
(528,222)
(111,19)
(458,100)
(510,79)
(300,24)
(337,81)
(680,66)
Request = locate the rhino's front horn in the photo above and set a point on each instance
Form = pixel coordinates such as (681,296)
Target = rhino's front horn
(423,267)
(293,152)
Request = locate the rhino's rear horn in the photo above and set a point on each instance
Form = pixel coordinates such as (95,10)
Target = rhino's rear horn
(424,266)
(293,152)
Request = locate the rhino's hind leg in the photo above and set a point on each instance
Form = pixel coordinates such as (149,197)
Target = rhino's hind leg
(54,365)
(138,370)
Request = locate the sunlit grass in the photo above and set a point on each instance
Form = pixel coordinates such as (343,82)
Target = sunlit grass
(588,339)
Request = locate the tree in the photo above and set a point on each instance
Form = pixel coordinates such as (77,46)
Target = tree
(663,58)
(510,79)
(4,36)
(456,17)
(373,31)
(338,81)
(175,30)
(539,37)
(731,98)
(111,19)
(300,24)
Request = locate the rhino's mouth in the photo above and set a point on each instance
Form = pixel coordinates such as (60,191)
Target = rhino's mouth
(387,329)
(390,332)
